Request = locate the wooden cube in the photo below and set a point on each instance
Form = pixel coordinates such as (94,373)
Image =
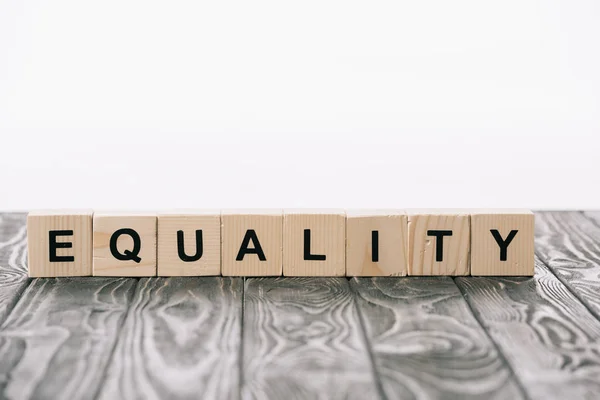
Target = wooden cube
(502,242)
(124,244)
(376,243)
(59,243)
(251,242)
(314,243)
(438,242)
(189,243)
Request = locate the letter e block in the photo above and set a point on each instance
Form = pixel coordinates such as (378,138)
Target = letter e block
(189,243)
(314,243)
(251,242)
(376,243)
(502,242)
(124,244)
(59,243)
(438,242)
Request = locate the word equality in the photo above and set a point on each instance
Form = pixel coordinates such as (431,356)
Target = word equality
(282,242)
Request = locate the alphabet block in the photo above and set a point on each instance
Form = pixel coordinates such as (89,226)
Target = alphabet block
(438,242)
(124,244)
(314,243)
(502,242)
(376,243)
(251,242)
(59,243)
(189,243)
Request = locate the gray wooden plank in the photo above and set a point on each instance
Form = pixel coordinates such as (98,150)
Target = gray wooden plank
(59,337)
(302,339)
(593,215)
(13,259)
(427,344)
(548,337)
(181,340)
(569,244)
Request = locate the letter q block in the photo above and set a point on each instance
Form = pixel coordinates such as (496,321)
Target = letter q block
(59,243)
(502,242)
(124,244)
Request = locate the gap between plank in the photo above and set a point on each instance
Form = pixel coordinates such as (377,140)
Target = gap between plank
(363,329)
(118,338)
(501,355)
(241,351)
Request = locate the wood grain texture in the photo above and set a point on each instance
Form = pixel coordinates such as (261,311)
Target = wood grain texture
(427,344)
(302,339)
(422,247)
(169,261)
(485,250)
(13,260)
(267,226)
(569,243)
(59,337)
(327,238)
(106,225)
(391,227)
(39,226)
(548,337)
(181,340)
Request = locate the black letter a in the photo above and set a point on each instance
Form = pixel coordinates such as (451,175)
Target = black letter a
(251,235)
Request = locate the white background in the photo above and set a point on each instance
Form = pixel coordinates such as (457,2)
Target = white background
(314,103)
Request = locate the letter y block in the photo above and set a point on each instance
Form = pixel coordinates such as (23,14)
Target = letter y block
(502,242)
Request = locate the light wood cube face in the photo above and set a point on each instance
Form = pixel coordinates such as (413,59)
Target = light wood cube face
(59,243)
(251,242)
(438,243)
(189,244)
(502,243)
(124,244)
(376,243)
(314,243)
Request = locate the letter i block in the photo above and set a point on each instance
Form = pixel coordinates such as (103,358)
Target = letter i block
(59,243)
(124,244)
(314,243)
(438,242)
(189,243)
(502,242)
(251,242)
(376,243)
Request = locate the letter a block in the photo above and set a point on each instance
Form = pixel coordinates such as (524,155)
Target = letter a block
(59,243)
(251,242)
(189,243)
(502,242)
(124,244)
(376,242)
(314,243)
(438,242)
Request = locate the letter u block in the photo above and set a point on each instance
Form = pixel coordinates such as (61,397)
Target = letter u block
(251,242)
(59,243)
(124,244)
(502,242)
(314,243)
(438,242)
(189,243)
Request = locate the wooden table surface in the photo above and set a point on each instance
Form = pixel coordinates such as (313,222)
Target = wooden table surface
(313,338)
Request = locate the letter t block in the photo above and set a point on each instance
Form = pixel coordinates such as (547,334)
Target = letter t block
(502,242)
(59,243)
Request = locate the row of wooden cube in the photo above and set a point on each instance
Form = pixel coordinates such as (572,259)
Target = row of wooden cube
(281,242)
